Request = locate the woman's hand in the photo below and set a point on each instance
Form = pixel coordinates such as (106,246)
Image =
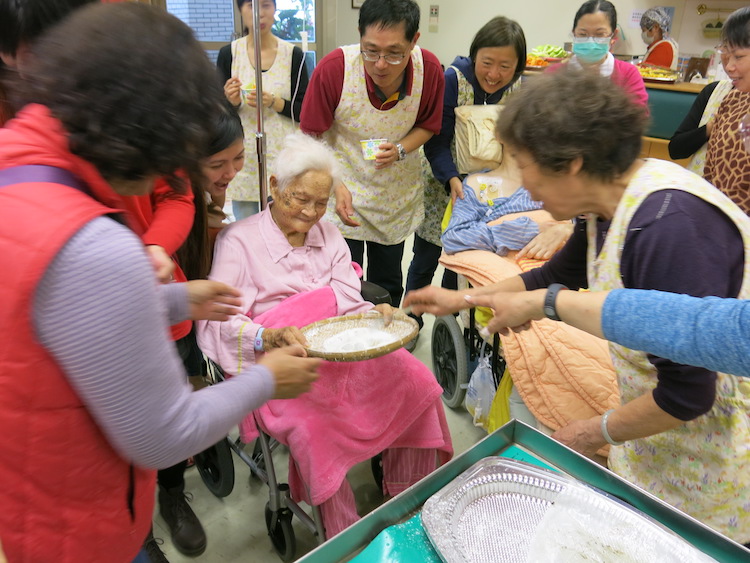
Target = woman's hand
(388,155)
(162,263)
(280,337)
(583,436)
(269,100)
(232,91)
(387,311)
(293,372)
(551,238)
(212,300)
(436,301)
(457,189)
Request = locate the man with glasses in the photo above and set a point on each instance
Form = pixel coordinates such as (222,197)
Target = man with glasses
(384,89)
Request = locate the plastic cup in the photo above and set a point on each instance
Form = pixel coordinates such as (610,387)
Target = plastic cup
(245,91)
(371,147)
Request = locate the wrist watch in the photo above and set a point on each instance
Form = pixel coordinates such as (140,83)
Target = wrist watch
(549,301)
(401,151)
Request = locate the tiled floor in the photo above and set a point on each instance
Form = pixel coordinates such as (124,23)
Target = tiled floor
(236,526)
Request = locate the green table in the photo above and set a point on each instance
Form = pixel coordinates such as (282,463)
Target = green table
(402,508)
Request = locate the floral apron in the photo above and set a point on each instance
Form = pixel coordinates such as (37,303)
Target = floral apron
(701,467)
(389,203)
(245,186)
(435,198)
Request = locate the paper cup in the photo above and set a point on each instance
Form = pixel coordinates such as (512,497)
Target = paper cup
(371,147)
(245,92)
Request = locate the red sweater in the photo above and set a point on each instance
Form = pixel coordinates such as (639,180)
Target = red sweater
(164,218)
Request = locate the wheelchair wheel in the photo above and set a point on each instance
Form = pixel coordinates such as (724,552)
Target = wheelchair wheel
(216,468)
(449,359)
(279,526)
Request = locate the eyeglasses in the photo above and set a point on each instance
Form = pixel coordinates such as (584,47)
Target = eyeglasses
(374,56)
(596,38)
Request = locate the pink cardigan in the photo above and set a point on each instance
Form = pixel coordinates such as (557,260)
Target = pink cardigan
(625,75)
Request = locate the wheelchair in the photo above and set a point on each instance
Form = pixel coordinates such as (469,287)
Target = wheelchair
(216,468)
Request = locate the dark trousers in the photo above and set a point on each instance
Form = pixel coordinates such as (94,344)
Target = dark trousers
(423,266)
(383,265)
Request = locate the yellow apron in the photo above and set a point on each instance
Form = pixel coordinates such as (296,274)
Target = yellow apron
(276,80)
(702,467)
(389,203)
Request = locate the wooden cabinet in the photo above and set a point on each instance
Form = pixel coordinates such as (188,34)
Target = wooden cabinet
(657,148)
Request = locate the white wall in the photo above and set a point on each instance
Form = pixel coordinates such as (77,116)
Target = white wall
(543,21)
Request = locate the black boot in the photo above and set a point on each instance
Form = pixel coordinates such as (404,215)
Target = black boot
(187,533)
(151,545)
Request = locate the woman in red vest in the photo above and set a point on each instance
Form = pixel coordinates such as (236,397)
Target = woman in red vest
(93,396)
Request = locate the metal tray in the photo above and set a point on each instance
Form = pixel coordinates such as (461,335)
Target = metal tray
(501,510)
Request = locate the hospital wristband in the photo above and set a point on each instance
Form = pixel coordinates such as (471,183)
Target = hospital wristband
(605,432)
(259,340)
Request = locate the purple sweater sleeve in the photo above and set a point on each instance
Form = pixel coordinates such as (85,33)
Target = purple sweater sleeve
(100,314)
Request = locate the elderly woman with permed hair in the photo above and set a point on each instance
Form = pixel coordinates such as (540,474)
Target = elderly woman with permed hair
(682,432)
(293,269)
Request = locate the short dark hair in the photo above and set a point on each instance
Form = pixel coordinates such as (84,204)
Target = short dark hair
(22,21)
(226,129)
(108,89)
(564,115)
(390,13)
(501,32)
(593,6)
(736,30)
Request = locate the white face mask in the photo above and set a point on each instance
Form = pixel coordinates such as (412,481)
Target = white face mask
(647,39)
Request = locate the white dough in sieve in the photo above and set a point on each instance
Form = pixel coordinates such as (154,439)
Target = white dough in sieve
(357,340)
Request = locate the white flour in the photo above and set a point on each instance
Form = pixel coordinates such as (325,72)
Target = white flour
(357,339)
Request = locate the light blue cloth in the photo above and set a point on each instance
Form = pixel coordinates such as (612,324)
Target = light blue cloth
(468,229)
(709,332)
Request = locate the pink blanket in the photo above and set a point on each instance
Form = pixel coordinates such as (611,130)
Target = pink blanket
(354,411)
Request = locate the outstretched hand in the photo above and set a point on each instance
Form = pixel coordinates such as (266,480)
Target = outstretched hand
(436,301)
(512,310)
(212,300)
(387,311)
(293,372)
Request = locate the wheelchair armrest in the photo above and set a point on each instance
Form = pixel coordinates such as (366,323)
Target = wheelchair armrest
(374,293)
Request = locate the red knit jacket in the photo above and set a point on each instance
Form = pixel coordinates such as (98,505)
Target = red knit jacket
(66,495)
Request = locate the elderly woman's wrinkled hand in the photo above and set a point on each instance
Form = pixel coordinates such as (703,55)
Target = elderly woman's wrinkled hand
(293,372)
(279,337)
(551,238)
(212,300)
(583,436)
(387,311)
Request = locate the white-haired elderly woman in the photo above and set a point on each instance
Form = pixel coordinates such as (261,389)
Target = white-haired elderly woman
(662,49)
(293,269)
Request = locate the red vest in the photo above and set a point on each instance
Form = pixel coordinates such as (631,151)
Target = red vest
(65,494)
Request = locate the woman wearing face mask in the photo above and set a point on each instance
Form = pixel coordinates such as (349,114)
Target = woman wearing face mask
(662,49)
(594,33)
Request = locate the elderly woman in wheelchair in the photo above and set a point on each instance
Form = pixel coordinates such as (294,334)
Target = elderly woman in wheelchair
(293,269)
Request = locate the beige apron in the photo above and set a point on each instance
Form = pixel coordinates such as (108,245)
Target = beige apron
(276,80)
(701,467)
(389,203)
(435,198)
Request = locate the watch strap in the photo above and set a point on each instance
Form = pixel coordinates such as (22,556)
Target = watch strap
(550,311)
(259,340)
(401,151)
